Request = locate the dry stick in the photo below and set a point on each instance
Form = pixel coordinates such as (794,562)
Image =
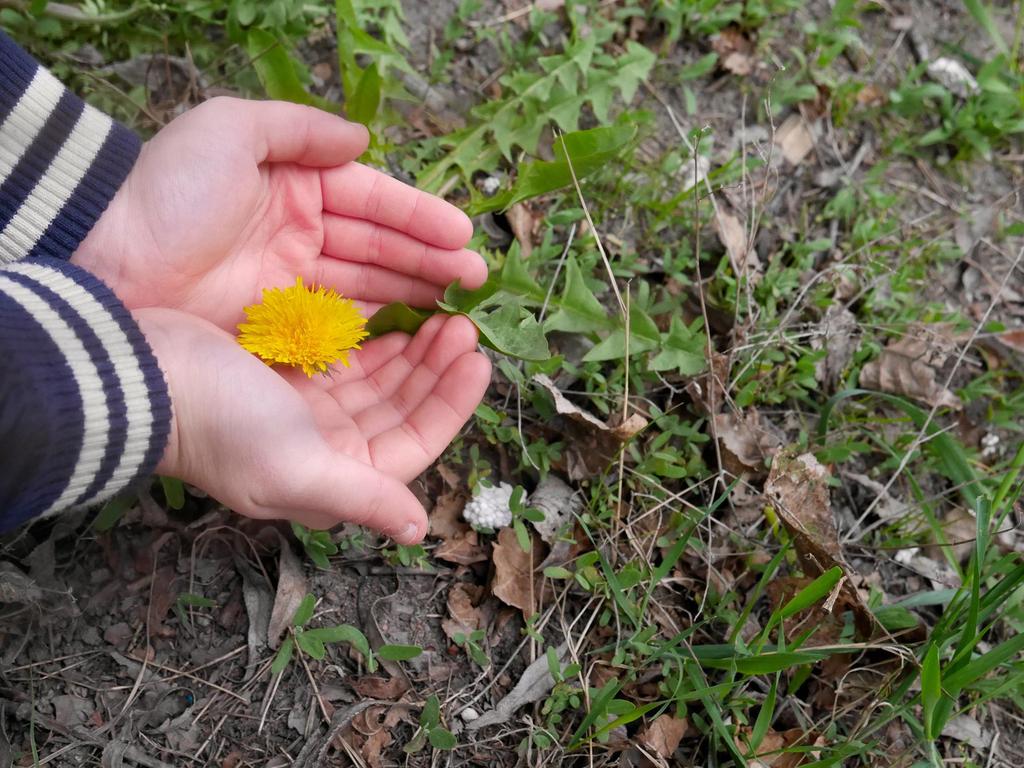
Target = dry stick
(624,309)
(922,437)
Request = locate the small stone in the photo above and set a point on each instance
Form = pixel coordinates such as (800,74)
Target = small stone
(469,714)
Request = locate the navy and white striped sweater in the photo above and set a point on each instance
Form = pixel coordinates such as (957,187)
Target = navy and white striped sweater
(84,409)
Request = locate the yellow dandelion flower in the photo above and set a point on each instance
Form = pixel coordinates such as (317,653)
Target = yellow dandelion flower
(308,327)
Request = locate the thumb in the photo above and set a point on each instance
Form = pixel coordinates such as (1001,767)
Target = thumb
(326,489)
(282,132)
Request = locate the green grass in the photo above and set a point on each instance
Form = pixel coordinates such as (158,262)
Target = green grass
(678,597)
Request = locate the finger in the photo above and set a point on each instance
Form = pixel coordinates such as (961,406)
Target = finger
(364,193)
(404,388)
(326,486)
(413,445)
(369,283)
(282,132)
(357,396)
(370,243)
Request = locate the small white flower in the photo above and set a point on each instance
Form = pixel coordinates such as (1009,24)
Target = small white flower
(489,508)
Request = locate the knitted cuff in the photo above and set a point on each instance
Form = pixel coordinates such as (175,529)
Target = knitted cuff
(84,406)
(61,161)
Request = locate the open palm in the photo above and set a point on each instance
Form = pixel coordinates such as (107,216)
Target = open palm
(236,196)
(273,444)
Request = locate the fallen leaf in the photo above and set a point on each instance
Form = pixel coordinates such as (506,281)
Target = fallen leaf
(446,518)
(797,488)
(463,550)
(746,441)
(959,528)
(291,589)
(840,338)
(770,754)
(795,138)
(708,390)
(733,236)
(872,95)
(465,618)
(592,443)
(968,730)
(522,222)
(910,366)
(559,503)
(1014,339)
(664,734)
(258,605)
(735,50)
(513,572)
(383,688)
(374,746)
(533,685)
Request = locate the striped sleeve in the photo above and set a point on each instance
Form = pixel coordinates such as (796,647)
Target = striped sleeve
(61,161)
(84,408)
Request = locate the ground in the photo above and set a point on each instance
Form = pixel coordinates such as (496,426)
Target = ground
(790,540)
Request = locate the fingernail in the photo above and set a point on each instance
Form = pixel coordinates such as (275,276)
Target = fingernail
(411,533)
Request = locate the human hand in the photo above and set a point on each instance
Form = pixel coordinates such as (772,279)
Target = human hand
(236,196)
(276,444)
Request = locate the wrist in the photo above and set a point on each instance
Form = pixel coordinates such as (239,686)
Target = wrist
(156,328)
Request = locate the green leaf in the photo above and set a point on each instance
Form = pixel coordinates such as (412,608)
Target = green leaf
(399,652)
(557,572)
(812,593)
(931,688)
(895,618)
(984,664)
(981,14)
(580,311)
(275,69)
(588,150)
(512,331)
(643,337)
(362,106)
(442,739)
(765,663)
(431,714)
(684,349)
(174,492)
(189,600)
(397,316)
(698,68)
(311,645)
(113,511)
(304,612)
(343,633)
(284,655)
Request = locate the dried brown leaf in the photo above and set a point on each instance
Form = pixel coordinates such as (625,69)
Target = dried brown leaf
(769,753)
(664,734)
(746,441)
(593,443)
(797,488)
(521,221)
(795,138)
(465,618)
(513,572)
(291,588)
(733,236)
(463,550)
(446,518)
(840,337)
(735,51)
(911,365)
(383,688)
